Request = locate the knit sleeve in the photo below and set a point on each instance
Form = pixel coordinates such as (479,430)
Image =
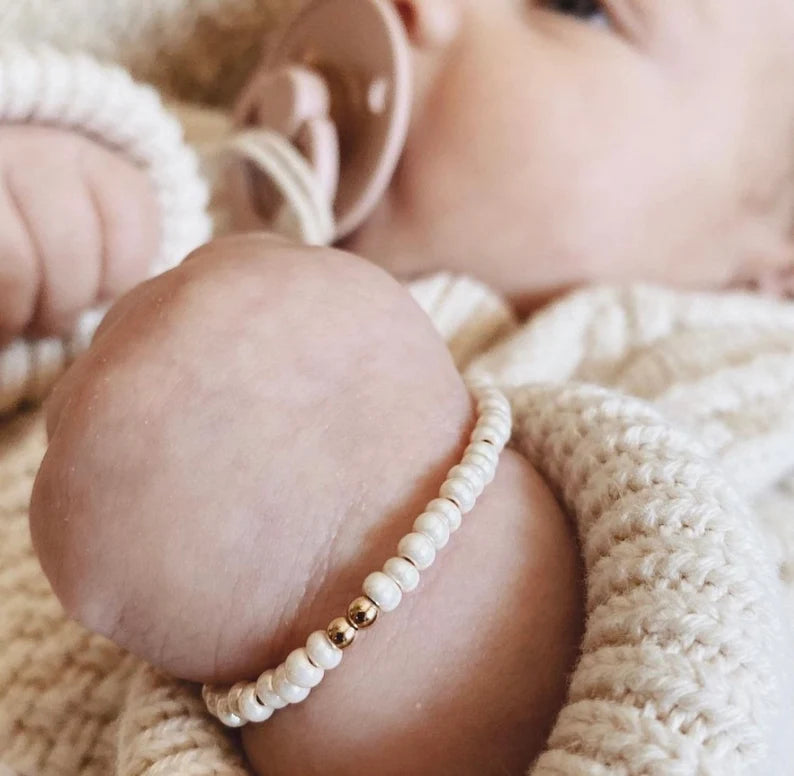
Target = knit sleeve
(191,50)
(720,365)
(44,86)
(659,417)
(682,667)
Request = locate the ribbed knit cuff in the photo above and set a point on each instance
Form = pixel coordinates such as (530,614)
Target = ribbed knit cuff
(45,86)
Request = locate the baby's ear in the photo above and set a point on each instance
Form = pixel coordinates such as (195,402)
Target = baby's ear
(430,23)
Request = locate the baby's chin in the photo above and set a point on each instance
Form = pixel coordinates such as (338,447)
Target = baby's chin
(468,675)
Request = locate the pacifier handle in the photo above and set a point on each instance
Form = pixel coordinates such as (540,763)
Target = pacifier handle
(337,85)
(295,102)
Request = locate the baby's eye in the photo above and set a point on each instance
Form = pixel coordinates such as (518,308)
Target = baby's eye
(581,8)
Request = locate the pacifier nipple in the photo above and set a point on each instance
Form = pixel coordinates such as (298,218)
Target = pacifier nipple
(337,88)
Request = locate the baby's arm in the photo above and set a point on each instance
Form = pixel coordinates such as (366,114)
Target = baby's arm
(250,436)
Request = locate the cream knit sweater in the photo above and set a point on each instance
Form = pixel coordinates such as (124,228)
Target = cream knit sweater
(664,421)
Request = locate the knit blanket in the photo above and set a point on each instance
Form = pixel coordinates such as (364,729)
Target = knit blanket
(665,423)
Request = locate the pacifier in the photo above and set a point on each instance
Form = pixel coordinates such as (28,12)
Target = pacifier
(323,125)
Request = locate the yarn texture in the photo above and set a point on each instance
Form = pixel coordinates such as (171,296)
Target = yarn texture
(194,50)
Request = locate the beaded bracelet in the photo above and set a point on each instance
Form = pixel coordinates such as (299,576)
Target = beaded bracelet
(383,590)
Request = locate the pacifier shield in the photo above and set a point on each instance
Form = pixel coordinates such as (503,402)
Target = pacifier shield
(360,48)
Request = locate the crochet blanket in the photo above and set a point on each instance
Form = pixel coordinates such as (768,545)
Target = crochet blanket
(664,421)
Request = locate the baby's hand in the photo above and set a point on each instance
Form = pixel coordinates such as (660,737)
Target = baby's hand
(250,435)
(78,226)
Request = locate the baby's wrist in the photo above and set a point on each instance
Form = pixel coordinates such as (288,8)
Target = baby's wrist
(388,488)
(382,590)
(482,650)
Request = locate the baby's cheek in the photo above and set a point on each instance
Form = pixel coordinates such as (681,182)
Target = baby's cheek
(467,676)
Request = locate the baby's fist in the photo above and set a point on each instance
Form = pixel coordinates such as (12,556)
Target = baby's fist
(78,226)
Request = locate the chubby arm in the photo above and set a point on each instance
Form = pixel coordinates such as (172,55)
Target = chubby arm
(250,435)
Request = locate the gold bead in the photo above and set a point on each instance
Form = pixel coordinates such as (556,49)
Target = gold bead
(362,612)
(341,633)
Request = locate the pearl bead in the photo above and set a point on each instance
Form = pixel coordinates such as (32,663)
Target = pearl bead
(362,612)
(502,422)
(301,671)
(472,474)
(211,697)
(266,694)
(234,696)
(434,527)
(341,633)
(484,449)
(418,549)
(494,431)
(403,572)
(491,393)
(322,652)
(383,590)
(461,492)
(487,468)
(250,707)
(290,692)
(226,716)
(493,406)
(449,510)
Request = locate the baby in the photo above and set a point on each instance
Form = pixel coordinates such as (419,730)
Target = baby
(252,432)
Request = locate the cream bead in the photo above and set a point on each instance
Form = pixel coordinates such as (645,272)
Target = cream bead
(489,433)
(250,707)
(472,474)
(301,671)
(265,692)
(492,396)
(484,449)
(490,391)
(461,492)
(322,652)
(434,527)
(418,549)
(481,462)
(383,590)
(290,692)
(234,697)
(503,422)
(403,572)
(226,716)
(211,696)
(449,510)
(492,405)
